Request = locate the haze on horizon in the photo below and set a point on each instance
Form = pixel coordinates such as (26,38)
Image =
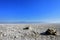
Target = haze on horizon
(30,11)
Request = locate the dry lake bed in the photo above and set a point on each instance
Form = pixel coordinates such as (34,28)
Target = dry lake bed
(16,32)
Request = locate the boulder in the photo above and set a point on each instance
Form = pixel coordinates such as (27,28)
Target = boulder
(51,32)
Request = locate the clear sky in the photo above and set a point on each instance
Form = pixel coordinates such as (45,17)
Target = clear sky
(30,10)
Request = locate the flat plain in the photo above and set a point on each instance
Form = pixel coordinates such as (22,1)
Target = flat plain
(16,32)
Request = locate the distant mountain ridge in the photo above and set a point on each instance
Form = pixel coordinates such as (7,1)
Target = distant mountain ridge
(20,22)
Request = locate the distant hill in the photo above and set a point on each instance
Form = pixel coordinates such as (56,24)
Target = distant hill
(19,22)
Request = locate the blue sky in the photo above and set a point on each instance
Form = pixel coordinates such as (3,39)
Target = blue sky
(30,10)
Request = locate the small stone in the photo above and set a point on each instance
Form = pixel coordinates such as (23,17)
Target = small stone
(14,36)
(4,35)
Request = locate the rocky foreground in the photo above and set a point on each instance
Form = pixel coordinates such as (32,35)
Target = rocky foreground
(16,32)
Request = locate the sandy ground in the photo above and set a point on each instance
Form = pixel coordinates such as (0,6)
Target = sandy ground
(16,32)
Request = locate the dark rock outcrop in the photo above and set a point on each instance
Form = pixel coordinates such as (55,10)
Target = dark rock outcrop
(26,28)
(49,32)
